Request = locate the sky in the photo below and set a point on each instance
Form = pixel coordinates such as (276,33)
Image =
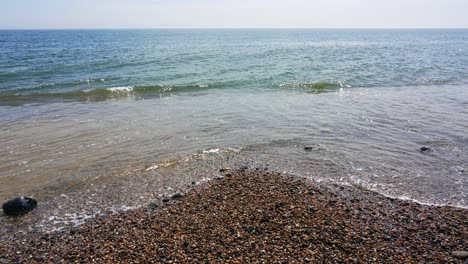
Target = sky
(58,14)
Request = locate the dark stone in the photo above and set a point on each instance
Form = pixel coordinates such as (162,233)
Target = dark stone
(177,196)
(279,205)
(251,229)
(243,168)
(19,206)
(153,205)
(425,149)
(166,199)
(315,147)
(222,170)
(228,175)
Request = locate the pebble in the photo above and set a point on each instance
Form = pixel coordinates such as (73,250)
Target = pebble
(153,205)
(19,206)
(308,148)
(177,195)
(425,149)
(317,147)
(260,217)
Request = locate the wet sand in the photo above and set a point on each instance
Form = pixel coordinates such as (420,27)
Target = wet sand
(253,216)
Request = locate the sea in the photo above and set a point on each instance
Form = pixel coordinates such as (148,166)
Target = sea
(99,121)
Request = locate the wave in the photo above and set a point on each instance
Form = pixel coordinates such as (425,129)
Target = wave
(146,91)
(103,94)
(317,87)
(139,91)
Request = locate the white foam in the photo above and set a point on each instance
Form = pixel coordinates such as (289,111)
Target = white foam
(211,151)
(380,189)
(406,198)
(162,164)
(235,150)
(120,89)
(152,167)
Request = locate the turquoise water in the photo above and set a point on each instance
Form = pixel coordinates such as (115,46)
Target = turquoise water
(97,120)
(60,63)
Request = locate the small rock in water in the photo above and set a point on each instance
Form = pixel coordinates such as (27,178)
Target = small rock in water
(153,205)
(425,149)
(315,147)
(177,196)
(308,148)
(19,206)
(460,254)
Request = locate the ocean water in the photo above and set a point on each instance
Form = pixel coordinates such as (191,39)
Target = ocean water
(93,121)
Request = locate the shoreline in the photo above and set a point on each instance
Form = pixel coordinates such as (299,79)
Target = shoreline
(255,216)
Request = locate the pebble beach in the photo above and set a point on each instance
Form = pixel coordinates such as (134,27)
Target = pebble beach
(258,216)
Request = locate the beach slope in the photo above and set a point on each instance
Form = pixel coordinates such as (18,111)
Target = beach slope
(251,216)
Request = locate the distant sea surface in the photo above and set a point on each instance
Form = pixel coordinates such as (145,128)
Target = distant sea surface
(96,120)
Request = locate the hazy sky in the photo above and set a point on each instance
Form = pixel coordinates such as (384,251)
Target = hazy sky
(233,14)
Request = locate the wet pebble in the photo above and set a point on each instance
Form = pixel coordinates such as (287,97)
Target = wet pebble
(425,149)
(177,195)
(153,205)
(19,206)
(260,217)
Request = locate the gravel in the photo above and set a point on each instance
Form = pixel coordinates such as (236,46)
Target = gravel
(257,216)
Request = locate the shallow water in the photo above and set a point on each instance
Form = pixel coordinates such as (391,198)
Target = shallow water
(188,103)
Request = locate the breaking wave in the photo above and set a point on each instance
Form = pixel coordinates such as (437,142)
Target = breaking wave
(102,94)
(316,87)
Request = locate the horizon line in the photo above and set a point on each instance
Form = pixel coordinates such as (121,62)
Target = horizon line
(246,28)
